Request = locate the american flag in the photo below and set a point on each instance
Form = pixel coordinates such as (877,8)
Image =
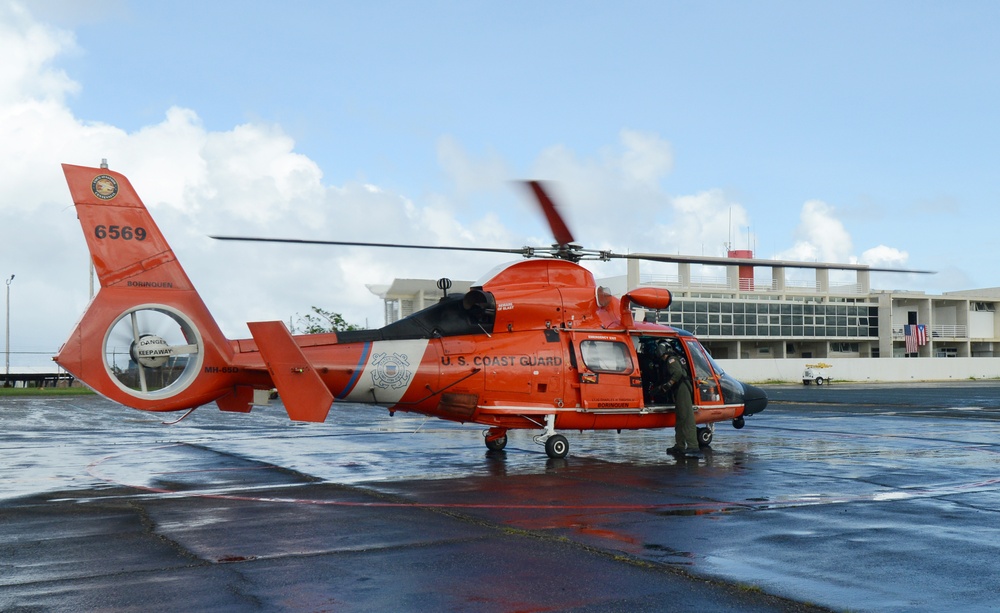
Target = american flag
(916,336)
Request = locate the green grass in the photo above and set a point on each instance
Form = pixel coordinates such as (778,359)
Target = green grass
(44,391)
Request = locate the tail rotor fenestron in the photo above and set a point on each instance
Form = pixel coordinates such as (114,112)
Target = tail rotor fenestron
(153,351)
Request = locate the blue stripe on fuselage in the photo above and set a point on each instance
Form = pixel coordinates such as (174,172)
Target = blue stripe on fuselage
(367,351)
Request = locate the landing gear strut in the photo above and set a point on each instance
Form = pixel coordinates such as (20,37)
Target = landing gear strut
(556,445)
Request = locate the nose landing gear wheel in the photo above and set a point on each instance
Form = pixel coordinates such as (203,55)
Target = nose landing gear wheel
(704,437)
(497,444)
(556,446)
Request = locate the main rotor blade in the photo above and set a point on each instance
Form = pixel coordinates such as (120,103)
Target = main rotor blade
(524,251)
(559,229)
(721,261)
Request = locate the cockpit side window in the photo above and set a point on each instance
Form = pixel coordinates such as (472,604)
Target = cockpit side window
(702,370)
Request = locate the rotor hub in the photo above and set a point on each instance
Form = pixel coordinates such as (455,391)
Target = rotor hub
(151,351)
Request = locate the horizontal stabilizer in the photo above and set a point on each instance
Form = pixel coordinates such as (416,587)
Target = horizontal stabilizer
(302,391)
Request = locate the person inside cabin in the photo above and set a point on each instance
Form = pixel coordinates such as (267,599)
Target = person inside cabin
(649,368)
(676,381)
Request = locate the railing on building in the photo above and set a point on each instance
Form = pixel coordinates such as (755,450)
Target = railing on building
(801,285)
(937,332)
(648,279)
(846,288)
(710,282)
(750,285)
(949,332)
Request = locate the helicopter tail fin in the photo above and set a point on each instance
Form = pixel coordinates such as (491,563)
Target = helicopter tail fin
(305,396)
(147,339)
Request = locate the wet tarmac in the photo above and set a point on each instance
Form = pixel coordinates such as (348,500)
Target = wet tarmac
(845,497)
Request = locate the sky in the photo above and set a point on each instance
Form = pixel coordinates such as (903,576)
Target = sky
(833,131)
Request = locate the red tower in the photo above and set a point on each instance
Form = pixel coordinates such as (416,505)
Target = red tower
(746,271)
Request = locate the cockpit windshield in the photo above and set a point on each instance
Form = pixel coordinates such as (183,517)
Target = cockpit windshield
(708,356)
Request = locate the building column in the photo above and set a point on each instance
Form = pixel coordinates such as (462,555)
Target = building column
(778,279)
(925,315)
(885,325)
(632,278)
(964,308)
(823,280)
(864,282)
(684,272)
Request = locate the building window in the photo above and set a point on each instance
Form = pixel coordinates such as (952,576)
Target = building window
(781,319)
(845,347)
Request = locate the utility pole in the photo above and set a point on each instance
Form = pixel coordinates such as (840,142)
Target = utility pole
(6,381)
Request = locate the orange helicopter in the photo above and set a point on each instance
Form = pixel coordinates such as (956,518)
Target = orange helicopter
(536,345)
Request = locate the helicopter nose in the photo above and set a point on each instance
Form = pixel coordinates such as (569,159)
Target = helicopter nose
(754,399)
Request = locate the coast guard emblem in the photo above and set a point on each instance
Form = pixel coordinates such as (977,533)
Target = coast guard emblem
(390,370)
(104,187)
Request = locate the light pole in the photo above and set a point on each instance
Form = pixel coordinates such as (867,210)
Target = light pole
(6,381)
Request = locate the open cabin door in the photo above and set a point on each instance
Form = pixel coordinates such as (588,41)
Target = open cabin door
(609,375)
(706,380)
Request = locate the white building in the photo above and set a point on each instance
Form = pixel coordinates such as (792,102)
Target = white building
(765,323)
(766,315)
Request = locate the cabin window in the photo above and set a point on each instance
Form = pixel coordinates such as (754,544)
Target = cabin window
(606,356)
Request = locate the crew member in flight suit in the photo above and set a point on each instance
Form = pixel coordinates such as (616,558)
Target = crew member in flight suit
(677,379)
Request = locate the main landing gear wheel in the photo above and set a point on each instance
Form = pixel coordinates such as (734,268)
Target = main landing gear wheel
(556,446)
(704,437)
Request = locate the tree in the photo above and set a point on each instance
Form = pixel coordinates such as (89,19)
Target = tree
(320,321)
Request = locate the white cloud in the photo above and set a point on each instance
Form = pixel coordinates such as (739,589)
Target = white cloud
(27,48)
(646,159)
(468,174)
(884,256)
(821,236)
(705,223)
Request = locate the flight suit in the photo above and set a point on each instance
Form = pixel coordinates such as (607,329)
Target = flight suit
(679,382)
